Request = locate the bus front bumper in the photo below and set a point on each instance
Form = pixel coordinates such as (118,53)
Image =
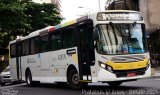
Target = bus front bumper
(106,76)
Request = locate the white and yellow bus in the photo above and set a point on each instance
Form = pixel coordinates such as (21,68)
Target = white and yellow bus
(108,47)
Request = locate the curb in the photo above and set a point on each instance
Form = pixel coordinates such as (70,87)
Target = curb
(155,77)
(152,77)
(153,73)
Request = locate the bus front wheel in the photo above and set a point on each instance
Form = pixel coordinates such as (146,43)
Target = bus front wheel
(73,80)
(115,83)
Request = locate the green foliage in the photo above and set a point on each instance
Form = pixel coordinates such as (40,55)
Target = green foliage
(22,18)
(9,1)
(41,15)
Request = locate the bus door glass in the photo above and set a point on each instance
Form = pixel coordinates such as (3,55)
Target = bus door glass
(86,48)
(18,59)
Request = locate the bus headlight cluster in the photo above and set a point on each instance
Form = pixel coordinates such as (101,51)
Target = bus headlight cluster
(109,68)
(105,66)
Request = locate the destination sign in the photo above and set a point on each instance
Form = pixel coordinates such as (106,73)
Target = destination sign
(116,16)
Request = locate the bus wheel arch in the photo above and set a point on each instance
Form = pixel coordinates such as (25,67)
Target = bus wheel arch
(27,70)
(73,78)
(28,77)
(70,67)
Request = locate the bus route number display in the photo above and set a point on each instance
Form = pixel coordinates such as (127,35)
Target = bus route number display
(119,16)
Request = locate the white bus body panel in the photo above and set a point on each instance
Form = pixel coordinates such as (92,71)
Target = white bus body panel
(24,65)
(60,61)
(48,67)
(13,68)
(33,63)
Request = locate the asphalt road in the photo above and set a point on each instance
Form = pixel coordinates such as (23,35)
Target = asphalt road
(140,87)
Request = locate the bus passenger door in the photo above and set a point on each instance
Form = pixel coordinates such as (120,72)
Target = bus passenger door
(18,60)
(85,49)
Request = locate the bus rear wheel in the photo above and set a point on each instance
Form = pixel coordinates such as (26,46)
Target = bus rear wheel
(73,80)
(29,79)
(3,84)
(115,83)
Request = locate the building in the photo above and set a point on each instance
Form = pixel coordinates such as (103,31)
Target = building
(151,13)
(56,2)
(122,5)
(42,1)
(149,9)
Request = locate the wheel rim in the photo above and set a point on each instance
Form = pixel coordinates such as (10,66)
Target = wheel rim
(75,79)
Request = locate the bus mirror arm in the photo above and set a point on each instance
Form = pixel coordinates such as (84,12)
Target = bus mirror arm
(95,34)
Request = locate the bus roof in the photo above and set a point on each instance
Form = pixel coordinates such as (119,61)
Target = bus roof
(121,11)
(52,28)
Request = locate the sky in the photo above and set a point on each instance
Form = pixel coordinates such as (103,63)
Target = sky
(71,11)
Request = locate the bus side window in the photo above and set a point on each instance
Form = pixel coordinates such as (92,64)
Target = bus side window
(32,46)
(35,45)
(69,37)
(44,43)
(56,42)
(25,47)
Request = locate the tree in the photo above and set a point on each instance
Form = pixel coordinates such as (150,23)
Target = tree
(22,18)
(41,15)
(13,22)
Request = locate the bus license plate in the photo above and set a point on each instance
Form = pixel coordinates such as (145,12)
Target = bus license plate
(131,74)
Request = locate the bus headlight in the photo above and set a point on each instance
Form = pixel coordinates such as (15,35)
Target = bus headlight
(105,66)
(101,64)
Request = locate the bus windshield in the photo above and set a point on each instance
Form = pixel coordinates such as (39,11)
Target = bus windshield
(121,38)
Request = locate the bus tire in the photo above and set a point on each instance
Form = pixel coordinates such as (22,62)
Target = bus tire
(3,84)
(73,80)
(29,81)
(115,83)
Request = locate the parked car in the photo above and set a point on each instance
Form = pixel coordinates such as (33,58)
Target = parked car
(5,77)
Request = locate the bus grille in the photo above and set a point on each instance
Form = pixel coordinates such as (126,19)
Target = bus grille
(120,73)
(125,59)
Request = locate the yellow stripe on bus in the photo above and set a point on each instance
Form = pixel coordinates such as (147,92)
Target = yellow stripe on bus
(68,23)
(129,65)
(75,59)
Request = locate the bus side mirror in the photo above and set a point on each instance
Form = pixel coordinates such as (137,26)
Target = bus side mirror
(95,34)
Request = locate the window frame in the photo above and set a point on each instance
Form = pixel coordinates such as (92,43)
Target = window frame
(50,36)
(75,33)
(28,52)
(12,56)
(40,39)
(30,39)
